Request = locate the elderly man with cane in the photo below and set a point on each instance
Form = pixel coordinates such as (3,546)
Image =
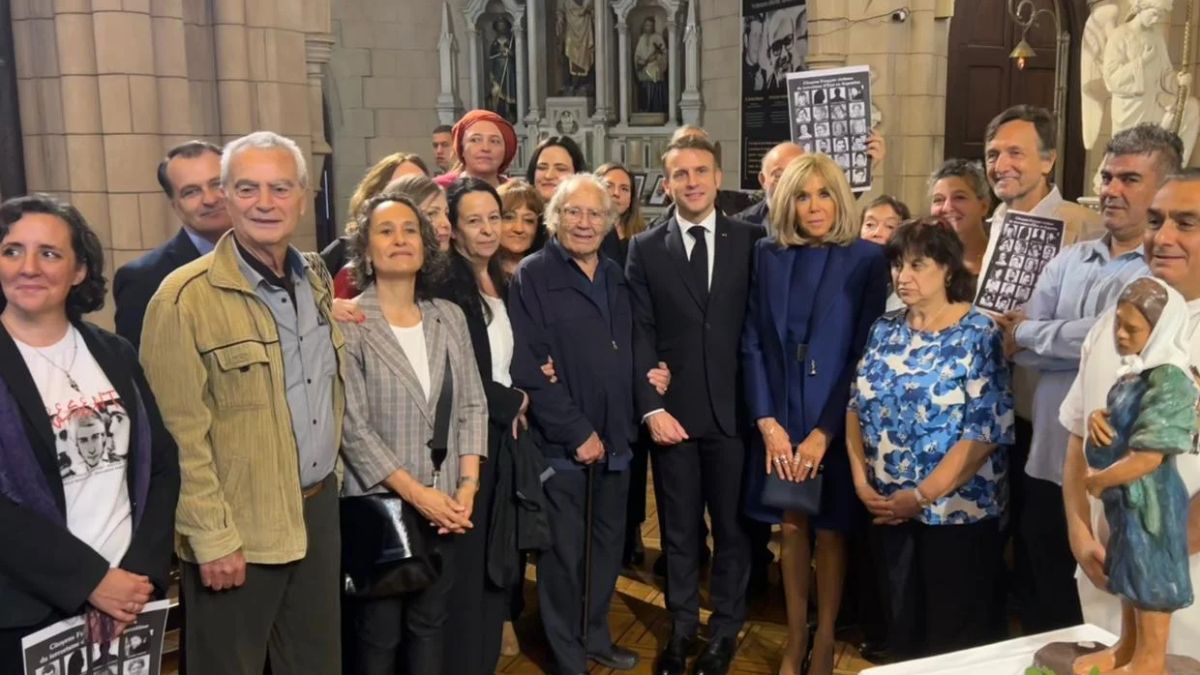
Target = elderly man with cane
(571,304)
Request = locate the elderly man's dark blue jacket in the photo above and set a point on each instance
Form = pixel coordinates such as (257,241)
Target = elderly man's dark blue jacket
(587,327)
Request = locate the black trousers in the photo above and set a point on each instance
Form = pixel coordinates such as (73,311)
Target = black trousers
(560,572)
(476,608)
(696,473)
(940,585)
(406,630)
(291,611)
(635,508)
(12,659)
(1049,598)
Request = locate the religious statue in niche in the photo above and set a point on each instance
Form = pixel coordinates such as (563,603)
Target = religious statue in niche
(1131,449)
(650,64)
(502,71)
(575,26)
(1126,64)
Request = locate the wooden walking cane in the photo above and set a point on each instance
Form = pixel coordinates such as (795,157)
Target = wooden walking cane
(587,556)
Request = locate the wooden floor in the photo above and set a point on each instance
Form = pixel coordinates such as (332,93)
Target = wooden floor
(639,621)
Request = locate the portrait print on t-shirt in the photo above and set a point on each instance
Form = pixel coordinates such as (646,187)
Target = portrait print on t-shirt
(91,434)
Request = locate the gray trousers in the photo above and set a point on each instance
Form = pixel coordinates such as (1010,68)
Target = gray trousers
(290,611)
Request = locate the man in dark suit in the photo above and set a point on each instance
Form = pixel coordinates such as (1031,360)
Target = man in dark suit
(689,282)
(190,176)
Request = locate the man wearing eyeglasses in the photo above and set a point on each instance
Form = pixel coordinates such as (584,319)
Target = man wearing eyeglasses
(689,281)
(244,361)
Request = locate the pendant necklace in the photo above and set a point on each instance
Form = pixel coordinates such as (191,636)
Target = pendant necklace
(65,371)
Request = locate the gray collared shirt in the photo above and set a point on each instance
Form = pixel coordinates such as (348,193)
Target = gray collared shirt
(309,366)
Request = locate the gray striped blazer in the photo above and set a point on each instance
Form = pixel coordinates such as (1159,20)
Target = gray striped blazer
(389,421)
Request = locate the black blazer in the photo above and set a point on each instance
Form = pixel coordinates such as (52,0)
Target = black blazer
(756,214)
(135,283)
(697,339)
(45,572)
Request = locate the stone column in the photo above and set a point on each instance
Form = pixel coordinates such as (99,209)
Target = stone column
(601,63)
(319,49)
(673,67)
(623,68)
(476,64)
(519,45)
(446,108)
(690,102)
(536,64)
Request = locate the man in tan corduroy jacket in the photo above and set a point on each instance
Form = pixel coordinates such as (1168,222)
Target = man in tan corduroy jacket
(244,359)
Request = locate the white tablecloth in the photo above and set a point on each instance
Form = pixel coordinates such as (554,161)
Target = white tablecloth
(1010,657)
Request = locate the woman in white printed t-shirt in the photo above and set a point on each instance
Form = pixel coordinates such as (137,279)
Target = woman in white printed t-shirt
(89,475)
(1087,527)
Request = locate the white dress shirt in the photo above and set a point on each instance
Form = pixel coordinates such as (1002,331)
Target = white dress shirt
(709,223)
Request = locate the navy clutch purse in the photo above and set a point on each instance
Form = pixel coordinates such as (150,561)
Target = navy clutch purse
(803,497)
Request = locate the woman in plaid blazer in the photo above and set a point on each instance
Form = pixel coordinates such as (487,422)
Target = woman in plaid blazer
(406,349)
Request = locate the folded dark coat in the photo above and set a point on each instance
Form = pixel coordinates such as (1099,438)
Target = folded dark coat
(519,521)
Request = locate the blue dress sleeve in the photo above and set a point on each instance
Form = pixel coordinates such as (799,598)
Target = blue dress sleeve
(988,416)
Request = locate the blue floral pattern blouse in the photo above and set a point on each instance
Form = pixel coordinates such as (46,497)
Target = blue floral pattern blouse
(918,393)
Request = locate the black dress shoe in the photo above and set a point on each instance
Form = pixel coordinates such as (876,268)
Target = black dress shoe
(715,660)
(617,659)
(635,552)
(875,651)
(673,660)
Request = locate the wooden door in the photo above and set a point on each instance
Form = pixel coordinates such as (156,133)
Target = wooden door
(982,80)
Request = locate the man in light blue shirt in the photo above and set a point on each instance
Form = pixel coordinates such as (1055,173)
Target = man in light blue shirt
(1046,335)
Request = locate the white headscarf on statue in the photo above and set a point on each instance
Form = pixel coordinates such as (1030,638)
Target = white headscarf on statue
(1169,340)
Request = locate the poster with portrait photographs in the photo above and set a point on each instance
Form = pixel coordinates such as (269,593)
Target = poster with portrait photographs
(1026,244)
(64,648)
(830,113)
(774,43)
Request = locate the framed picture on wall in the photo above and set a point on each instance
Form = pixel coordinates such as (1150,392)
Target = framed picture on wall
(639,184)
(658,196)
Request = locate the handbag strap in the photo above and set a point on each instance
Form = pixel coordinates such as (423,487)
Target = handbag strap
(439,444)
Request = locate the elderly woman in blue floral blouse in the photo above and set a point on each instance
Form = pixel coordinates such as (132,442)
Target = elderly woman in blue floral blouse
(929,413)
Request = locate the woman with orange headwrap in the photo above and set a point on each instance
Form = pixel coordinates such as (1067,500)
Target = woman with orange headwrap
(484,145)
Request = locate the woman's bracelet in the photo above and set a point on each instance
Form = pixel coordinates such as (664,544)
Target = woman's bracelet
(922,501)
(468,480)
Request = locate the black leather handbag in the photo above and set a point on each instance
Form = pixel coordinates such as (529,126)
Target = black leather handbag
(803,497)
(388,547)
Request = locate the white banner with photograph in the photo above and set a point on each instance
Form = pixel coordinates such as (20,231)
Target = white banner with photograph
(64,648)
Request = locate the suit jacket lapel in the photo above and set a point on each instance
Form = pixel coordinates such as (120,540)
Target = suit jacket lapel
(20,383)
(182,249)
(435,350)
(777,278)
(678,254)
(722,256)
(381,340)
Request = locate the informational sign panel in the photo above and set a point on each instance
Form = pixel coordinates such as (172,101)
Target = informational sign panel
(774,43)
(1026,244)
(830,113)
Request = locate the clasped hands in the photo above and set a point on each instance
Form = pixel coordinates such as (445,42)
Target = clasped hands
(792,463)
(115,603)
